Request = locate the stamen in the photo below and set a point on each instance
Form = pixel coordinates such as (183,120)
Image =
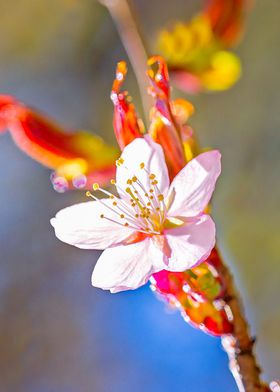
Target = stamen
(159,196)
(145,211)
(140,203)
(112,197)
(134,220)
(126,224)
(136,201)
(133,200)
(119,162)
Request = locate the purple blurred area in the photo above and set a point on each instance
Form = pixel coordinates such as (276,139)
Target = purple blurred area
(59,334)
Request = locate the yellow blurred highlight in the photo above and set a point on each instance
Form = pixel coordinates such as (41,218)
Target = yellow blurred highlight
(195,49)
(182,110)
(188,151)
(224,72)
(186,43)
(72,169)
(99,154)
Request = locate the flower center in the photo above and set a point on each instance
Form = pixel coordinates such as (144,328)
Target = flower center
(142,208)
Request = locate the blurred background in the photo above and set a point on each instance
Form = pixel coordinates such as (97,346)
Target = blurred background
(59,334)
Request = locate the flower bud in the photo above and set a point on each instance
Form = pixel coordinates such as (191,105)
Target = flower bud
(127,126)
(78,159)
(164,128)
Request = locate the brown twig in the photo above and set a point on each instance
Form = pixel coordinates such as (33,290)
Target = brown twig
(239,345)
(132,39)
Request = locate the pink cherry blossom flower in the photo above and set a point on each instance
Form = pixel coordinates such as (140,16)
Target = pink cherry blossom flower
(152,225)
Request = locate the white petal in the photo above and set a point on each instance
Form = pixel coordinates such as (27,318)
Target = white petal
(192,188)
(191,243)
(81,225)
(127,267)
(143,150)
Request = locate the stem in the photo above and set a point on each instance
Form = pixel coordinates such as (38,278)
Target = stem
(125,21)
(239,345)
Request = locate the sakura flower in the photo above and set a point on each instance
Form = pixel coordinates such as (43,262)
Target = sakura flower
(152,225)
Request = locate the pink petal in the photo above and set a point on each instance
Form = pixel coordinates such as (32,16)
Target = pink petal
(81,225)
(191,243)
(127,267)
(143,150)
(192,188)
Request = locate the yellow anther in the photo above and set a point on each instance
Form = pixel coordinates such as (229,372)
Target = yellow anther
(112,196)
(134,178)
(119,161)
(122,216)
(154,182)
(115,203)
(149,203)
(151,190)
(158,209)
(136,215)
(135,192)
(129,182)
(133,204)
(128,190)
(160,197)
(151,197)
(95,186)
(113,182)
(142,165)
(88,194)
(152,176)
(146,194)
